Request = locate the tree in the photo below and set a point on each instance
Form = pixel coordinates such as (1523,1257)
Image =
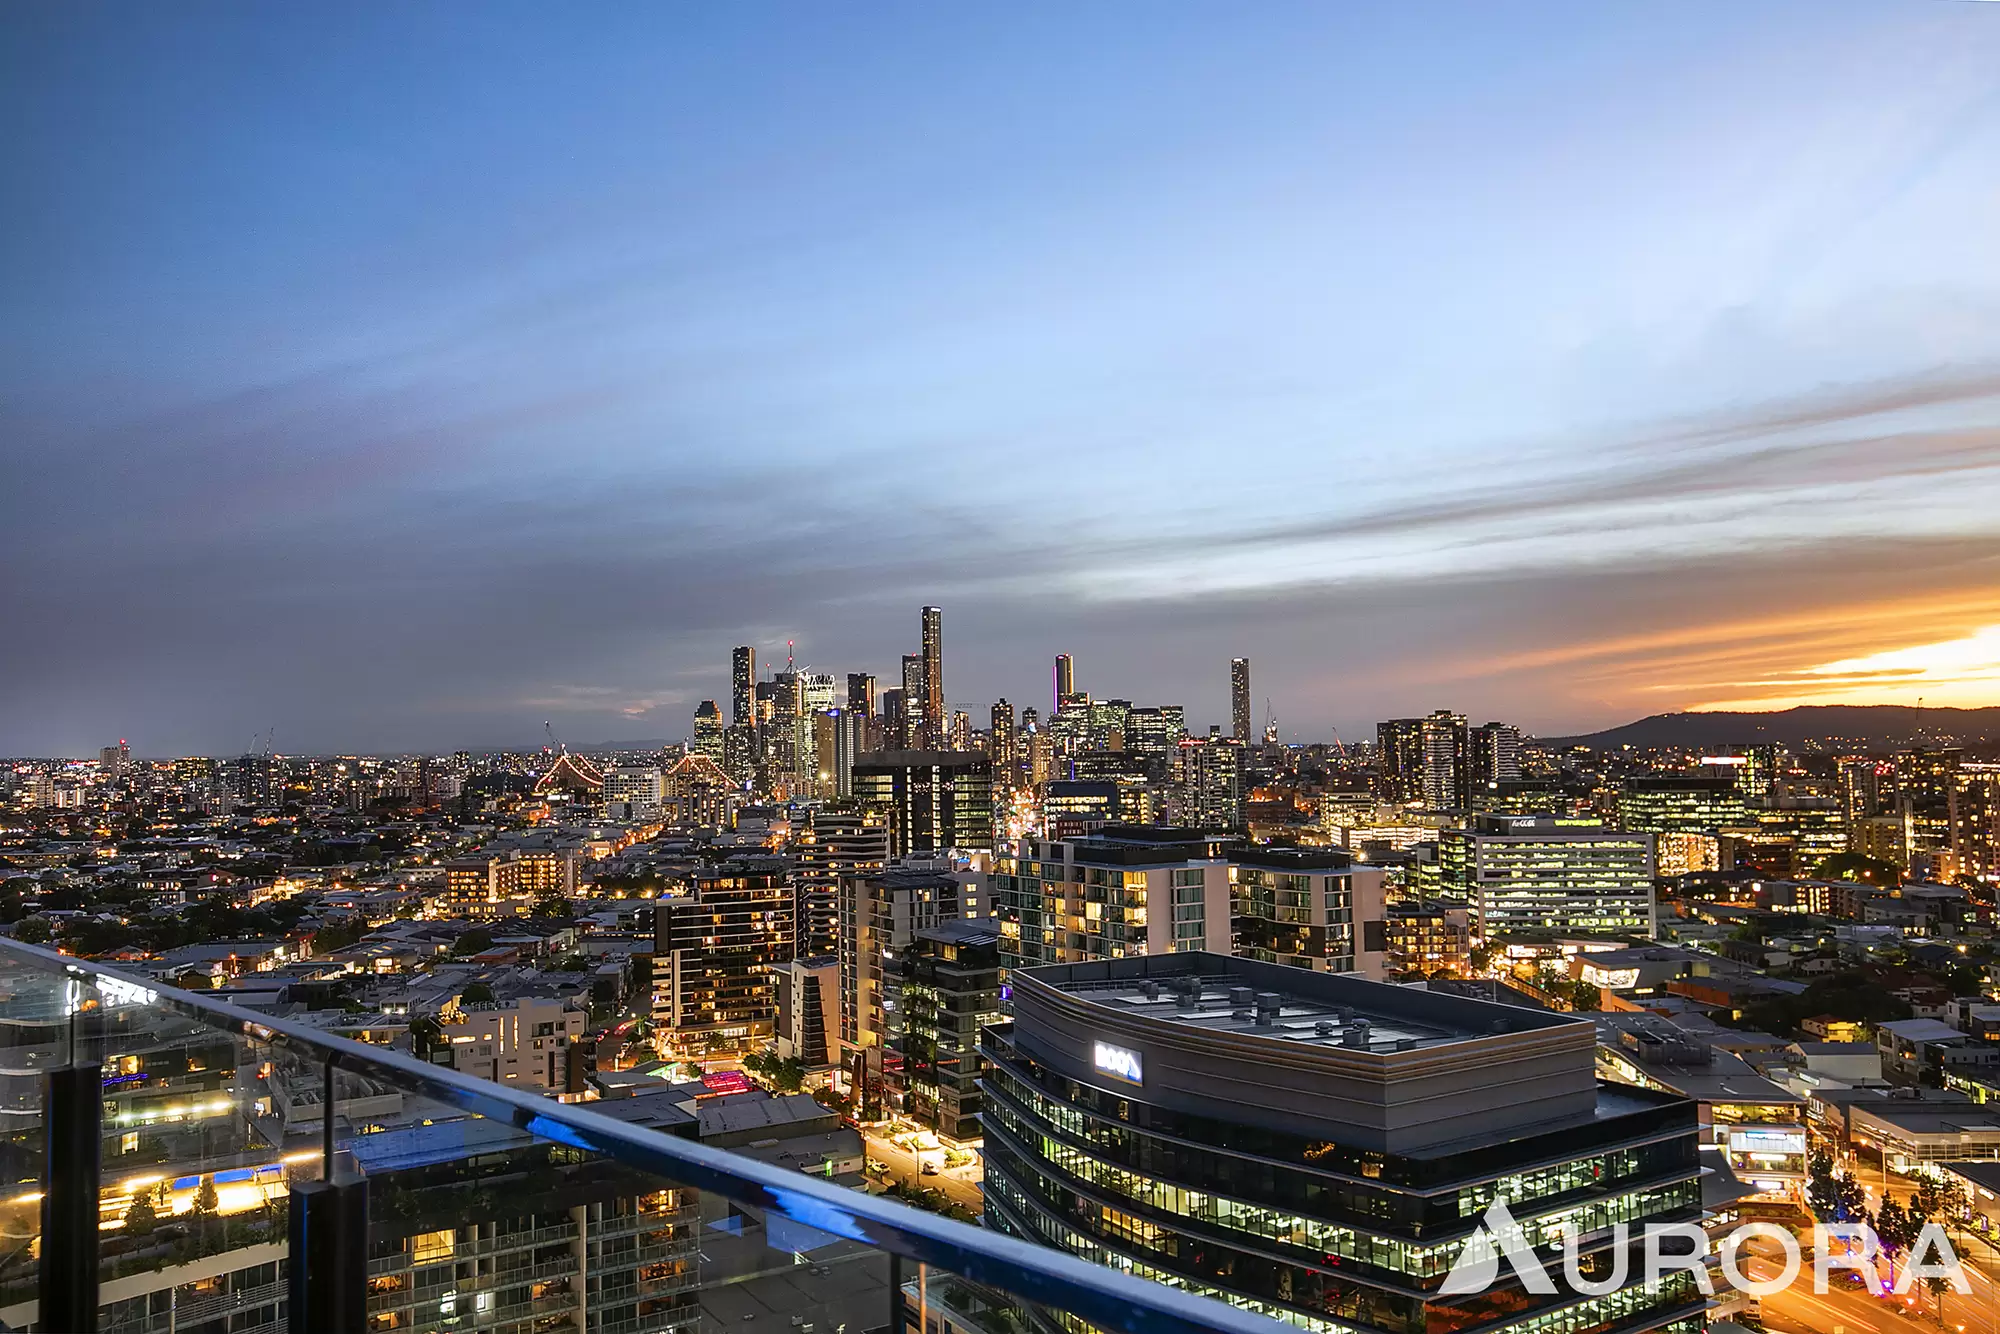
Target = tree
(141,1218)
(1481,959)
(1854,866)
(206,1201)
(552,905)
(1896,1227)
(476,993)
(1585,996)
(35,930)
(475,941)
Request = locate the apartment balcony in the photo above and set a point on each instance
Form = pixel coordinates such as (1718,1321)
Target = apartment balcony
(316,1219)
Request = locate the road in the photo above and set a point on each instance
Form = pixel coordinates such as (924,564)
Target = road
(1846,1308)
(960,1184)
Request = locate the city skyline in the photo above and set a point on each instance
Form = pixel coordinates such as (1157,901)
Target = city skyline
(472,374)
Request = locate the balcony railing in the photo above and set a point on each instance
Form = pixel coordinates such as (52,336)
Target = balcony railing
(462,1153)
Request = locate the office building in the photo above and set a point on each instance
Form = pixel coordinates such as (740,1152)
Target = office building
(1309,908)
(1678,803)
(934,800)
(484,886)
(1239,700)
(1155,734)
(715,949)
(1320,1148)
(1549,875)
(1428,941)
(934,736)
(1120,891)
(950,991)
(861,693)
(743,686)
(708,731)
(1065,682)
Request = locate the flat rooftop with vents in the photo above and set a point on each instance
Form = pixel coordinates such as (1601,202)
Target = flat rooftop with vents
(1401,1068)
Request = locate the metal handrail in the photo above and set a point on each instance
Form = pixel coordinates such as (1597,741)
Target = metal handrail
(1104,1297)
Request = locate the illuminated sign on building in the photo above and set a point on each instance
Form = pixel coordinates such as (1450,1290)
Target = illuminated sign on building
(1118,1063)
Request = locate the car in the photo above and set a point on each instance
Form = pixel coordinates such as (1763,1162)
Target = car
(928,1169)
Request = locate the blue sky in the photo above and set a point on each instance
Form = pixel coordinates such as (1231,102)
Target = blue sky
(400,376)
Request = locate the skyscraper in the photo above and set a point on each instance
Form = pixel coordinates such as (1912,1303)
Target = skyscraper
(1065,681)
(1001,747)
(1239,699)
(743,685)
(933,656)
(915,712)
(708,731)
(1446,764)
(861,693)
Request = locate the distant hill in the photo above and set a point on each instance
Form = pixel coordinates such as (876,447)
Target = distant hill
(1864,726)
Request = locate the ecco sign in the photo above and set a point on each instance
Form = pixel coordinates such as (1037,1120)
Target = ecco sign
(1118,1063)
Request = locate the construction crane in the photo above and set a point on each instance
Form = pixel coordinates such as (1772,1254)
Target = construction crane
(1270,723)
(1339,743)
(554,747)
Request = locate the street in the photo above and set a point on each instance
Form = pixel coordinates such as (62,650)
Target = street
(960,1184)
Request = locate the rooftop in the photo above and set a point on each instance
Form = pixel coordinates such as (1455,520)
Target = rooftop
(1217,994)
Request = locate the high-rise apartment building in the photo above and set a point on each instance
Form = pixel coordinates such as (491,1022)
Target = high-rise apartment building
(934,737)
(1321,1148)
(1399,756)
(715,949)
(1122,890)
(915,710)
(808,1022)
(1446,760)
(832,844)
(743,685)
(949,990)
(1239,700)
(1065,681)
(1549,875)
(1494,756)
(1212,795)
(880,914)
(934,800)
(1975,820)
(861,693)
(1001,748)
(1309,908)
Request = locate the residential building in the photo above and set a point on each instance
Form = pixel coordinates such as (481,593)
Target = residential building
(1239,701)
(949,991)
(526,1043)
(1308,907)
(807,1028)
(714,988)
(1122,890)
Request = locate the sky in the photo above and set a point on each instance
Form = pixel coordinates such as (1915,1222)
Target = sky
(398,377)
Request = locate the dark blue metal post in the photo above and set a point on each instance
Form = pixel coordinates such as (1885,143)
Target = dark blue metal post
(72,1153)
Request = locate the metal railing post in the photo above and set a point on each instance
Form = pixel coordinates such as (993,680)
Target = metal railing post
(72,1154)
(328,1235)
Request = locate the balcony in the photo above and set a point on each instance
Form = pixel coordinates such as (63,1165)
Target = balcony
(316,1214)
